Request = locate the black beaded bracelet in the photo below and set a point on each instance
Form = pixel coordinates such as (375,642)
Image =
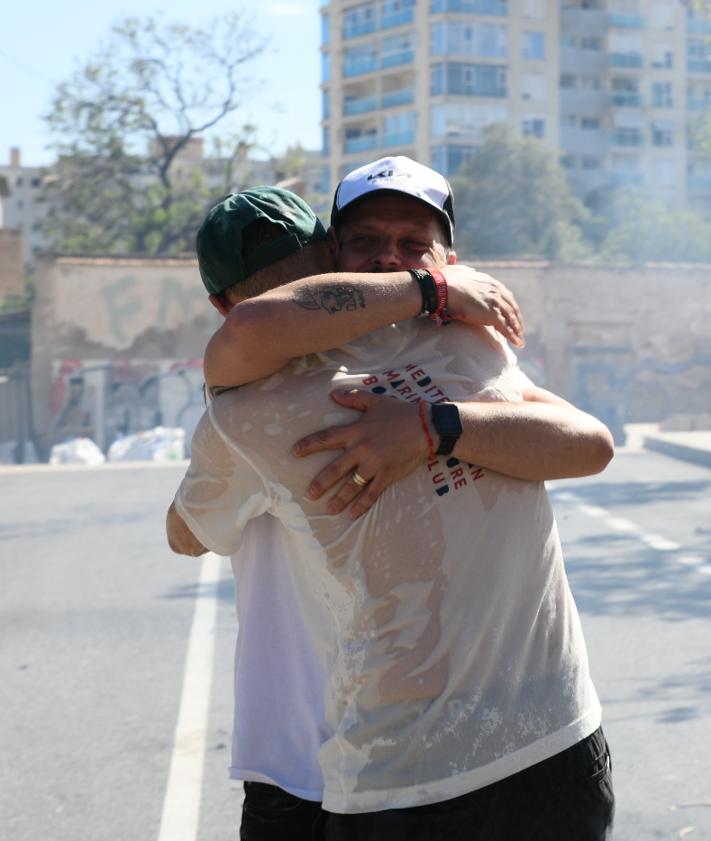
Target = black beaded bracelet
(428,290)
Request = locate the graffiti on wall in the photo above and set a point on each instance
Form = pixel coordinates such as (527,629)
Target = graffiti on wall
(129,309)
(105,401)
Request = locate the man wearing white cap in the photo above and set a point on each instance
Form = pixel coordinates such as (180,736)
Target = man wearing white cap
(439,701)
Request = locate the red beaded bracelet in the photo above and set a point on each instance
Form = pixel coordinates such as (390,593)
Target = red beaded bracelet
(430,443)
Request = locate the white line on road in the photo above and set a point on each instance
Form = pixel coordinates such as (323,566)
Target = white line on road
(181,806)
(620,524)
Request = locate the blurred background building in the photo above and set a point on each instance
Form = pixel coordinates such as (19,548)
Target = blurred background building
(611,84)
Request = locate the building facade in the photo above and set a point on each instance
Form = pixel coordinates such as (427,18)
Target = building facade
(610,84)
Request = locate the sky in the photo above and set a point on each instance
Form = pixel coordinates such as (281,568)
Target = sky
(44,41)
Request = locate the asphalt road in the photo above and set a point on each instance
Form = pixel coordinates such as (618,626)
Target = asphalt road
(96,616)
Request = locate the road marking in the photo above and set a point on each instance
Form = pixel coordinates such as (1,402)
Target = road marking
(621,524)
(181,805)
(656,541)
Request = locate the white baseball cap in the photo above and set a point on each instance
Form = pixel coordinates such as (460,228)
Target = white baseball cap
(397,175)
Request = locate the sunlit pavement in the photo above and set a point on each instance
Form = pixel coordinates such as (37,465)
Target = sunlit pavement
(97,614)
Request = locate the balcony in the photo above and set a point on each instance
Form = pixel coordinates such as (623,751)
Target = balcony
(625,138)
(364,143)
(699,65)
(623,21)
(355,30)
(359,68)
(627,100)
(481,7)
(359,106)
(397,59)
(625,60)
(397,19)
(395,98)
(399,138)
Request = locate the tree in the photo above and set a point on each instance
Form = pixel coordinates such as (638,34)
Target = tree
(512,198)
(128,129)
(646,230)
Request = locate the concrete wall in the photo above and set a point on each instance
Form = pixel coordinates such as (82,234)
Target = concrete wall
(12,278)
(627,344)
(117,344)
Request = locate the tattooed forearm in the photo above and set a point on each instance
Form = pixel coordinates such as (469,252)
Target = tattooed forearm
(333,299)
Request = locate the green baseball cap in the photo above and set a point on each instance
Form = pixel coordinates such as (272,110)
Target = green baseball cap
(219,244)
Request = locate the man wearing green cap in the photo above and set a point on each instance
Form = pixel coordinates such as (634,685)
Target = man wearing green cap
(336,298)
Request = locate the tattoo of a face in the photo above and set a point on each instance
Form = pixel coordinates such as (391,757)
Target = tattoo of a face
(333,299)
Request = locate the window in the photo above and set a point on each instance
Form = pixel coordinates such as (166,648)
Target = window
(568,81)
(325,67)
(662,133)
(465,119)
(568,120)
(469,79)
(325,105)
(591,42)
(447,159)
(661,57)
(534,127)
(534,45)
(397,13)
(325,29)
(357,60)
(325,141)
(359,20)
(399,129)
(567,162)
(590,123)
(483,39)
(589,162)
(398,49)
(662,96)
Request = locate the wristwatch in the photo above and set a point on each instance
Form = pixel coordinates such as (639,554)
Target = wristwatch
(448,425)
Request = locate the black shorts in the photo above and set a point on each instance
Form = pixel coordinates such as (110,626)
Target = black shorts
(568,797)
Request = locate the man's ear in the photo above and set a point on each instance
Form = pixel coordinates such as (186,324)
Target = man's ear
(222,304)
(452,258)
(333,243)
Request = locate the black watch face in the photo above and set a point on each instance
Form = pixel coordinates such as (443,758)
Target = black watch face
(445,419)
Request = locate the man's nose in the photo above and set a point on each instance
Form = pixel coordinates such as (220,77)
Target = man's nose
(387,256)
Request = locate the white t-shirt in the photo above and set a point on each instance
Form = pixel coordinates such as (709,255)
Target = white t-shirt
(279,724)
(452,647)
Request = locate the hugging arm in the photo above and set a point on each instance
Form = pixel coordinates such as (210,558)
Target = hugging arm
(180,539)
(260,335)
(542,438)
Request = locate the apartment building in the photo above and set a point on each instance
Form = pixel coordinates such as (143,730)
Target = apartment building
(610,84)
(21,203)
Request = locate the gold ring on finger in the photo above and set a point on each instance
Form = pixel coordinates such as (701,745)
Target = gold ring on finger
(359,480)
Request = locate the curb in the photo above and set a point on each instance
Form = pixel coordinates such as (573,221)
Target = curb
(675,449)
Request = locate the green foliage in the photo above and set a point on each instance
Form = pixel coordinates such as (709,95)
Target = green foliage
(127,179)
(512,198)
(646,230)
(699,133)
